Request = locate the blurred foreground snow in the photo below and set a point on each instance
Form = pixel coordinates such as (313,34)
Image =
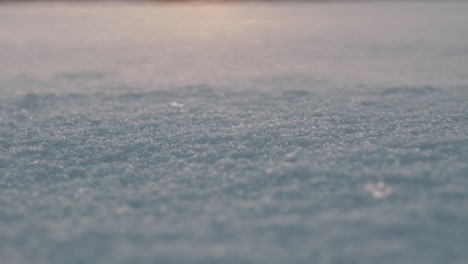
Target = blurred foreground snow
(235,133)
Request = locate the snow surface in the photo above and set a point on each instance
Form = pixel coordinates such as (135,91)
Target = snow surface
(234,133)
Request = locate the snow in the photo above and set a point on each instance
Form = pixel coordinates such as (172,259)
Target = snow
(234,133)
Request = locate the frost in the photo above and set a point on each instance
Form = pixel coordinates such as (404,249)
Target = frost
(238,133)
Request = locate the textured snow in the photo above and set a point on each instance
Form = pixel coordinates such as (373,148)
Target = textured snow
(235,133)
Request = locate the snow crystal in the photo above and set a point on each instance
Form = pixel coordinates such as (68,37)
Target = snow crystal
(378,190)
(175,104)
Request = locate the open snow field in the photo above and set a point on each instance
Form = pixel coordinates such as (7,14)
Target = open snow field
(331,133)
